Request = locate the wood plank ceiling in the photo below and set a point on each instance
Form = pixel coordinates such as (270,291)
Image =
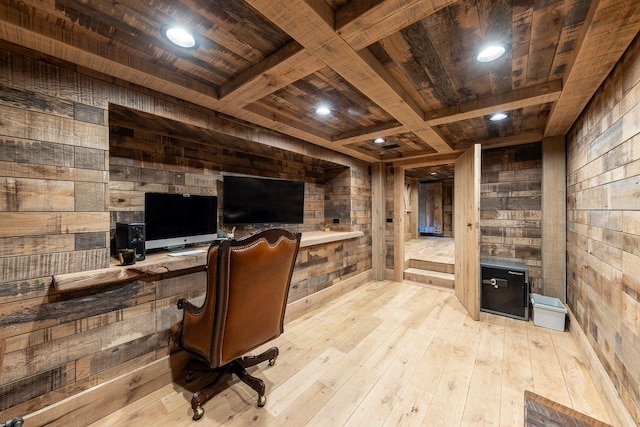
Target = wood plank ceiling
(399,69)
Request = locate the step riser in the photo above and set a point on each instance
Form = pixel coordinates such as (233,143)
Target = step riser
(429,280)
(431,265)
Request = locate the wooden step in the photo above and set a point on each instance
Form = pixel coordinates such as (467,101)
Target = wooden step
(422,264)
(430,277)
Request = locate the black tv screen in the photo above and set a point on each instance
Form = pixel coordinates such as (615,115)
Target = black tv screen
(253,200)
(179,219)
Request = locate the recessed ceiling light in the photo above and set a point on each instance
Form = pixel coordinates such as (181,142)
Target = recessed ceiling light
(498,116)
(179,36)
(379,141)
(433,173)
(323,110)
(491,53)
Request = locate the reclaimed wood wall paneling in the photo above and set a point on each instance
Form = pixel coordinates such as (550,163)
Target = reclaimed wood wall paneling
(55,345)
(603,154)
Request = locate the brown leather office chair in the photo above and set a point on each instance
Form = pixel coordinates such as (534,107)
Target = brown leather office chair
(247,288)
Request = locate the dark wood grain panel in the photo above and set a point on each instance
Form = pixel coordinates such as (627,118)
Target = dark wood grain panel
(30,100)
(86,241)
(498,18)
(120,354)
(36,152)
(24,289)
(42,357)
(350,110)
(510,206)
(36,385)
(542,412)
(431,72)
(75,306)
(520,121)
(89,114)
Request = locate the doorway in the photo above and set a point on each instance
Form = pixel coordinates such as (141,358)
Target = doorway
(466,227)
(429,243)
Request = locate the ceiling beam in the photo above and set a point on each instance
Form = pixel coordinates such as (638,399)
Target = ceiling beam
(293,62)
(280,69)
(284,67)
(520,98)
(508,141)
(311,24)
(362,23)
(427,160)
(369,133)
(49,40)
(610,26)
(434,159)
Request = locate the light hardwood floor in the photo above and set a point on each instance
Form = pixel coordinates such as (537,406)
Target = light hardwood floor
(431,248)
(392,354)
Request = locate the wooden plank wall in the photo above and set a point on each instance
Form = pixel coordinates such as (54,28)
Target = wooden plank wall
(447,208)
(431,208)
(603,225)
(56,194)
(378,201)
(510,207)
(399,219)
(389,228)
(144,161)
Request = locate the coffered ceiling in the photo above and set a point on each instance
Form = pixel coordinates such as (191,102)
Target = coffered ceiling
(403,70)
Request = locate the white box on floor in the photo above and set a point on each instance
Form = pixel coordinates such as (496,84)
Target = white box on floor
(548,312)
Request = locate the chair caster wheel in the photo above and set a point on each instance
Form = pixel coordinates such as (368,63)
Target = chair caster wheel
(198,413)
(272,361)
(262,400)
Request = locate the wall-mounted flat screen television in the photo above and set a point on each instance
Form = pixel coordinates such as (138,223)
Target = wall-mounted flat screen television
(255,200)
(175,220)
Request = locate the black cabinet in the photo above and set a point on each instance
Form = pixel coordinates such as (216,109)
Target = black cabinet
(505,288)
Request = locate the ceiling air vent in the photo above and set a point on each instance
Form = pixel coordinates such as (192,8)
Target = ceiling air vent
(390,146)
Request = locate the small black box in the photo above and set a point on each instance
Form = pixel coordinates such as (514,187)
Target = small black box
(131,236)
(505,288)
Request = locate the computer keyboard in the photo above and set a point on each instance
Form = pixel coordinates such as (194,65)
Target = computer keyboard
(187,252)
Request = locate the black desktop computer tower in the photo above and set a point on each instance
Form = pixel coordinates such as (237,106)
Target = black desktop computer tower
(131,236)
(505,288)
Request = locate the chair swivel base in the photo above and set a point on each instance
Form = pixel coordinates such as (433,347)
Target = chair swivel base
(238,367)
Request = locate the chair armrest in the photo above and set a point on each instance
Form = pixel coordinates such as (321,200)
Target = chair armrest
(187,306)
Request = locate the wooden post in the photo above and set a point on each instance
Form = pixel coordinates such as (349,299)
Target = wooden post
(399,213)
(414,214)
(378,244)
(554,220)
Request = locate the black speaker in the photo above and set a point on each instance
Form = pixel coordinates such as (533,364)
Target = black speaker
(131,236)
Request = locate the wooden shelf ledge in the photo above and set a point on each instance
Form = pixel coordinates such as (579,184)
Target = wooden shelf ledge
(160,263)
(153,265)
(311,238)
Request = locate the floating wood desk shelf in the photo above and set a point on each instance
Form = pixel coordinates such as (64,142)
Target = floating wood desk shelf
(312,238)
(153,265)
(161,263)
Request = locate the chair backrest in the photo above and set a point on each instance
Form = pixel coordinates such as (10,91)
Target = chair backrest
(254,275)
(248,283)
